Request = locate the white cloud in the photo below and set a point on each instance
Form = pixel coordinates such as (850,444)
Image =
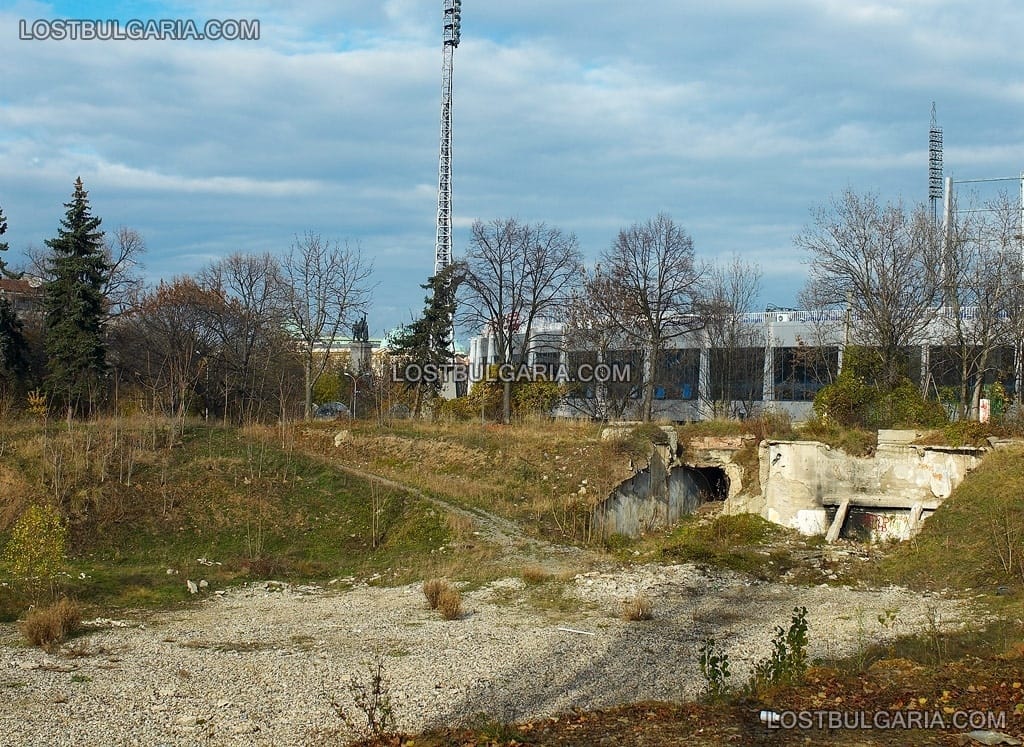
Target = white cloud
(735,117)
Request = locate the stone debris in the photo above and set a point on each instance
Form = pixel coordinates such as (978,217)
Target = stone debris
(987,737)
(106,622)
(262,662)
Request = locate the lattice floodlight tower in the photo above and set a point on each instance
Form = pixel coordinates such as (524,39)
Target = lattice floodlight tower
(935,184)
(443,247)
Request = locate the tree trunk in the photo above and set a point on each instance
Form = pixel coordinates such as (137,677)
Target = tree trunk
(979,383)
(965,377)
(307,366)
(647,407)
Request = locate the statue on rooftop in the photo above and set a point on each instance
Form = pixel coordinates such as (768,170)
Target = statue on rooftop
(360,331)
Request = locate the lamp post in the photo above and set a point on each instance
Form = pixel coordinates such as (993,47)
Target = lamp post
(355,390)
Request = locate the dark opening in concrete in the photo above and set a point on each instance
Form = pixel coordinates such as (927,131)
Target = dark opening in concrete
(711,481)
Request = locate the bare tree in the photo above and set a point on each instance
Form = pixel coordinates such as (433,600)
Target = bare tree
(326,285)
(122,252)
(981,278)
(164,344)
(592,336)
(517,274)
(737,364)
(883,262)
(652,283)
(249,327)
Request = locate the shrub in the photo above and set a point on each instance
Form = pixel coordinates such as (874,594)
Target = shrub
(449,603)
(483,401)
(535,397)
(35,550)
(432,589)
(460,408)
(48,626)
(372,698)
(788,660)
(637,607)
(863,396)
(37,406)
(714,667)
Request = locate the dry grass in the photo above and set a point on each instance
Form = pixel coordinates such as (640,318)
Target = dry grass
(460,525)
(531,473)
(637,607)
(15,492)
(449,603)
(432,589)
(535,574)
(48,626)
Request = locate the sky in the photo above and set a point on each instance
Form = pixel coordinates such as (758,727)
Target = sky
(738,118)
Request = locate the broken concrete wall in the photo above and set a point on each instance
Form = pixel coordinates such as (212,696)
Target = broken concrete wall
(801,479)
(719,451)
(654,498)
(668,489)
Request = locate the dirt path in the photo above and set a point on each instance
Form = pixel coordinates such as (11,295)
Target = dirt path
(517,547)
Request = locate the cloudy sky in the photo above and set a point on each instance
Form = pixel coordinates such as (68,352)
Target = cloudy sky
(736,117)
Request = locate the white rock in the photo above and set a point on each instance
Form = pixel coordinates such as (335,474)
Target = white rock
(192,588)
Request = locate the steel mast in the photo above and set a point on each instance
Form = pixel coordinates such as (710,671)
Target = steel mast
(935,182)
(443,247)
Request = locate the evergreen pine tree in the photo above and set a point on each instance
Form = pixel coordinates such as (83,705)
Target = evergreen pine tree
(74,308)
(13,347)
(427,341)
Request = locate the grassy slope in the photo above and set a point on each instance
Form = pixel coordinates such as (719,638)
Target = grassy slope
(257,508)
(530,473)
(959,546)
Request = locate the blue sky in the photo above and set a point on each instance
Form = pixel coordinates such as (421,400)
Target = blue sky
(736,117)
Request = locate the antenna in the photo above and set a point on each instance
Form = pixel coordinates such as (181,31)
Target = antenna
(452,26)
(935,183)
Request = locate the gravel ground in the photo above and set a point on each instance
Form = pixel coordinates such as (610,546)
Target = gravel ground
(260,664)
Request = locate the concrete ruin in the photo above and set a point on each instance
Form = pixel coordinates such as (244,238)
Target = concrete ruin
(804,485)
(671,485)
(810,487)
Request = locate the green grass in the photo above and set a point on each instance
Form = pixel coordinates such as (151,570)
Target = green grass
(960,545)
(253,508)
(934,646)
(733,542)
(968,433)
